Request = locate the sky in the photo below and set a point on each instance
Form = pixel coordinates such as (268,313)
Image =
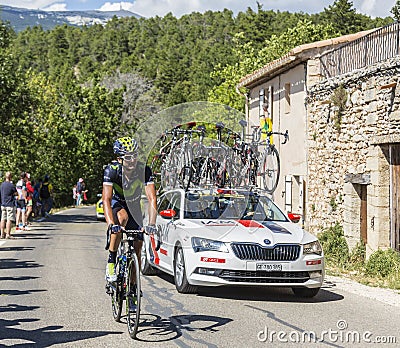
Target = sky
(150,8)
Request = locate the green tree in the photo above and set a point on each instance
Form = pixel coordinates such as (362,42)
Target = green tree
(395,11)
(250,59)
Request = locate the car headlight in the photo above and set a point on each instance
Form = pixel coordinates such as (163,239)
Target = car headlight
(203,244)
(312,248)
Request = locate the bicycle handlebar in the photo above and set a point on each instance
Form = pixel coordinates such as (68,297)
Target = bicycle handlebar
(285,135)
(136,232)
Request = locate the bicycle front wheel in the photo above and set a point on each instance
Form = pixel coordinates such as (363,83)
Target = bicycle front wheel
(270,169)
(133,297)
(117,296)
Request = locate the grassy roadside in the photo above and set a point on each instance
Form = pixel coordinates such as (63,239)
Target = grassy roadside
(382,269)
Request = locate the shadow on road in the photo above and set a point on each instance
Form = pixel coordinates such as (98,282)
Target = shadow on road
(273,294)
(153,328)
(260,293)
(15,263)
(43,337)
(17,308)
(17,278)
(17,248)
(18,292)
(33,235)
(75,219)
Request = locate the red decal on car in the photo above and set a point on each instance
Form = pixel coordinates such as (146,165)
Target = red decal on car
(153,247)
(250,223)
(313,262)
(212,259)
(163,251)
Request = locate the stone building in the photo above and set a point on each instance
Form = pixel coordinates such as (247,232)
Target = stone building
(339,100)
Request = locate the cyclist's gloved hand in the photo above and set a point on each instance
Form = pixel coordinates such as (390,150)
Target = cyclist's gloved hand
(150,229)
(115,228)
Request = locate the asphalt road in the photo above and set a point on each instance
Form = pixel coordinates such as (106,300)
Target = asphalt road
(52,294)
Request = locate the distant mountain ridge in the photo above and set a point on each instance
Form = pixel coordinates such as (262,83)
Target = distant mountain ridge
(21,18)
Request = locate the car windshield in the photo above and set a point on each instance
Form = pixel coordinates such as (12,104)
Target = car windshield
(231,205)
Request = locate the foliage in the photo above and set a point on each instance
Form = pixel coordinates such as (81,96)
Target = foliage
(357,257)
(249,59)
(395,11)
(384,263)
(339,99)
(334,245)
(345,20)
(382,268)
(66,93)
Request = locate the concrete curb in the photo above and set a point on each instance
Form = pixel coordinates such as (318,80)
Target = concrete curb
(388,296)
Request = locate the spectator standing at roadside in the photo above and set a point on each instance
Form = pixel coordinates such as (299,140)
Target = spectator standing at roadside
(37,204)
(74,194)
(46,191)
(29,198)
(7,193)
(79,191)
(21,202)
(84,192)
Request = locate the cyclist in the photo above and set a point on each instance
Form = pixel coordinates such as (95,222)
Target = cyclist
(122,187)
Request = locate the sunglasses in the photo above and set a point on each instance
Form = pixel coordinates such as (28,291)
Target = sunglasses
(130,158)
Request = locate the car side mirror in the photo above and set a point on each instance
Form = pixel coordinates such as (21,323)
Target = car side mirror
(294,217)
(168,213)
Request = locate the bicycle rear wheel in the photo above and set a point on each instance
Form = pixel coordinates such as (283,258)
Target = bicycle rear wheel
(270,169)
(133,294)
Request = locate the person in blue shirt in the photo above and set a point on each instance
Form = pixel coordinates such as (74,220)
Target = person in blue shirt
(8,191)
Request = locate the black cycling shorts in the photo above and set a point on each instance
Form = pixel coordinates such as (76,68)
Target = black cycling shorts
(131,224)
(21,204)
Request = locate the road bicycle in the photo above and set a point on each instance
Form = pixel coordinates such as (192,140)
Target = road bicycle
(127,269)
(177,163)
(249,162)
(268,159)
(205,163)
(212,164)
(245,160)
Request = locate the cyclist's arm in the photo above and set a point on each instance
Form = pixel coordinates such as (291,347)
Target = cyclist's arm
(150,191)
(107,196)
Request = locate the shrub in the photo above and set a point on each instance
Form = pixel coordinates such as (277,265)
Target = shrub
(357,257)
(335,246)
(384,263)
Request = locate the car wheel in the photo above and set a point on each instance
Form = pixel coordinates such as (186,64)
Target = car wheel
(145,266)
(305,292)
(181,282)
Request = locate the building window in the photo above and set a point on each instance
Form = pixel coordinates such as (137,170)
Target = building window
(287,98)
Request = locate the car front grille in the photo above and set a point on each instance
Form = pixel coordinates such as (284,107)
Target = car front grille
(256,252)
(264,277)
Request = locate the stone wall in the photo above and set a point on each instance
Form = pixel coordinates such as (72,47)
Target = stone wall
(353,143)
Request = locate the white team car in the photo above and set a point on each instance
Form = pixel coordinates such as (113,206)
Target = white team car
(225,237)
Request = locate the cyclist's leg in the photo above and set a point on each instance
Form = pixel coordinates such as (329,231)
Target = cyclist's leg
(120,218)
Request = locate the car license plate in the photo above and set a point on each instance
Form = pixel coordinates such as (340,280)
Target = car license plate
(269,267)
